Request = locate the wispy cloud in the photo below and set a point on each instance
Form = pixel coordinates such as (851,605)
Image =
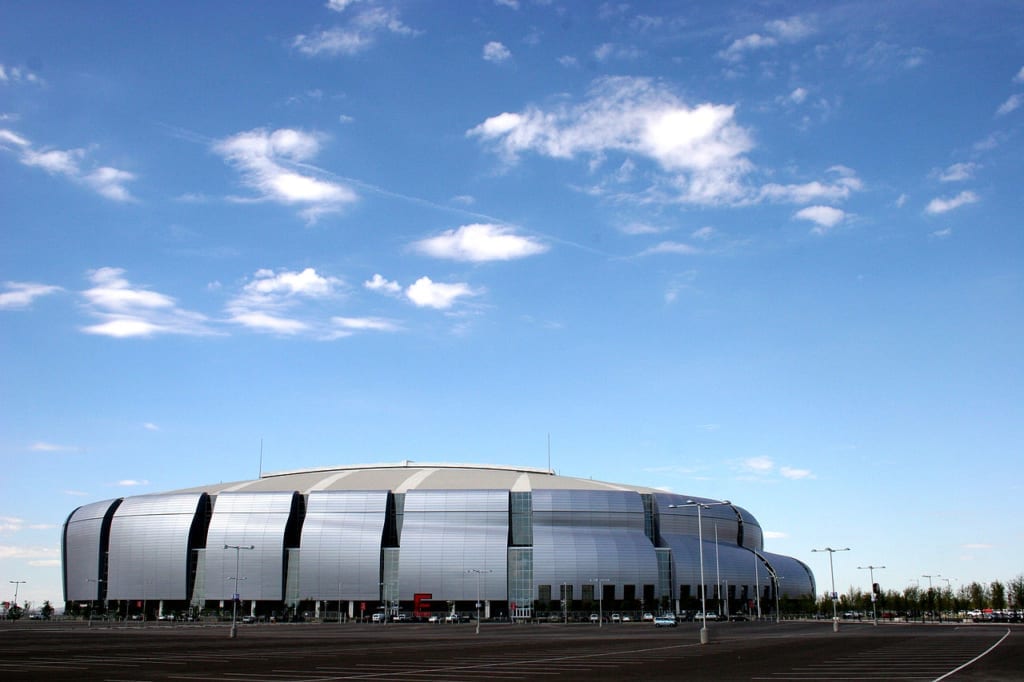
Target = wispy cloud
(23,294)
(358,34)
(775,33)
(28,552)
(131,311)
(14,75)
(104,180)
(480,243)
(266,301)
(496,52)
(939,205)
(845,183)
(132,482)
(42,446)
(958,172)
(701,148)
(1011,104)
(766,468)
(670,247)
(268,162)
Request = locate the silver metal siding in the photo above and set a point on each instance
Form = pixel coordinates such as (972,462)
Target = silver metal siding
(582,535)
(446,534)
(244,519)
(341,544)
(149,547)
(82,560)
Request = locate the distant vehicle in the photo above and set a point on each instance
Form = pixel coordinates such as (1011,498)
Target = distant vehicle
(452,618)
(400,617)
(248,619)
(378,618)
(737,617)
(627,619)
(665,622)
(616,618)
(434,619)
(648,617)
(710,616)
(594,618)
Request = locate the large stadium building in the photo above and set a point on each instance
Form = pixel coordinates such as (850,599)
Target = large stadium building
(413,538)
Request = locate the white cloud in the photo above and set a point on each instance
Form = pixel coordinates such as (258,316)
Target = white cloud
(938,205)
(609,51)
(12,137)
(798,96)
(759,464)
(774,535)
(676,248)
(11,524)
(795,474)
(568,61)
(944,233)
(129,311)
(701,147)
(958,172)
(479,243)
(825,217)
(42,446)
(428,294)
(131,482)
(359,34)
(268,160)
(150,426)
(496,52)
(634,229)
(1011,104)
(378,283)
(777,31)
(105,180)
(23,294)
(1019,78)
(840,189)
(15,74)
(511,4)
(28,552)
(376,324)
(263,300)
(704,233)
(340,5)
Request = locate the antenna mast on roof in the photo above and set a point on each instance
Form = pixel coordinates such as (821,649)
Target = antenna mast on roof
(261,457)
(549,452)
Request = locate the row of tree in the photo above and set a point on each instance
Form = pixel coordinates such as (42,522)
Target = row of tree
(914,599)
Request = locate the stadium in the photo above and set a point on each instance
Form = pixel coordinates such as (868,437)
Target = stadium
(414,539)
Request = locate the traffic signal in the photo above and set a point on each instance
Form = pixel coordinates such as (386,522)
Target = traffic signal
(876,589)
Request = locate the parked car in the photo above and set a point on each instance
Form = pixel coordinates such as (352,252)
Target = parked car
(616,618)
(665,622)
(434,619)
(594,618)
(452,618)
(710,616)
(648,617)
(377,618)
(627,619)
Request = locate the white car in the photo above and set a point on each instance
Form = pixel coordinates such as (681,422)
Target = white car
(665,621)
(701,616)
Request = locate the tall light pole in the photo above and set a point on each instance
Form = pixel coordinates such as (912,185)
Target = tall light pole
(17,584)
(718,573)
(91,602)
(874,595)
(931,595)
(236,596)
(600,600)
(479,572)
(700,547)
(835,597)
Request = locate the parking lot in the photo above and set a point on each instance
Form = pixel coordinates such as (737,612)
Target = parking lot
(321,652)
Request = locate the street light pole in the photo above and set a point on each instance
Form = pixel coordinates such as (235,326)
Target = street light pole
(874,612)
(835,597)
(479,572)
(17,584)
(92,602)
(236,596)
(700,548)
(600,600)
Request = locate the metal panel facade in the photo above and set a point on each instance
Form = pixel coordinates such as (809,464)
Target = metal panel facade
(341,545)
(83,548)
(149,552)
(243,519)
(447,534)
(582,535)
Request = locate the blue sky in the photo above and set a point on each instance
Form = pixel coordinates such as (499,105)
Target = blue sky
(766,252)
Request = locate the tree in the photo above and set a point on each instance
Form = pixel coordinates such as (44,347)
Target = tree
(998,595)
(1017,592)
(979,599)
